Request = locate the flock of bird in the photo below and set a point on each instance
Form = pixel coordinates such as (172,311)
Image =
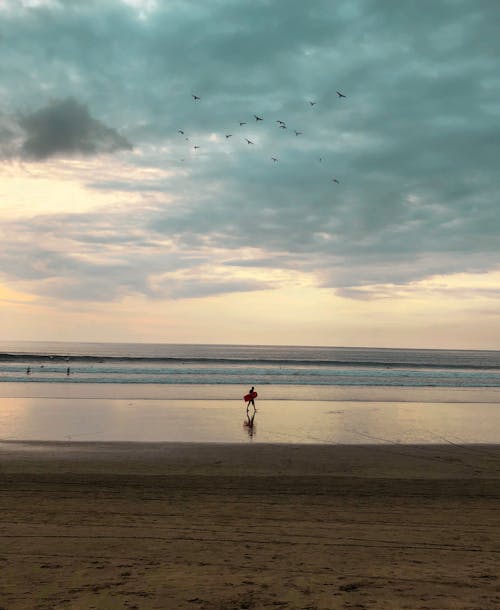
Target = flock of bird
(281,125)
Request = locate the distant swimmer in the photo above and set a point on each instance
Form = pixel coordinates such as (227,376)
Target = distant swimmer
(68,371)
(28,370)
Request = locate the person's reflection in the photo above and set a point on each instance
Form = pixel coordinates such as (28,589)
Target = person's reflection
(249,423)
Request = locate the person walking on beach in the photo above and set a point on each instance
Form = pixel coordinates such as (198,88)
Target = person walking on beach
(251,401)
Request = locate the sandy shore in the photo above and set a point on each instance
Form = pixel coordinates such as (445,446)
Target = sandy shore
(128,525)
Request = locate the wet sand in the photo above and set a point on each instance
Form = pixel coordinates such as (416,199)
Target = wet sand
(131,525)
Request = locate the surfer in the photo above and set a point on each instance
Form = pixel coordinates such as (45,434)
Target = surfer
(251,401)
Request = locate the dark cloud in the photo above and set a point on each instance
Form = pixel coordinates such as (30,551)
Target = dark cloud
(65,128)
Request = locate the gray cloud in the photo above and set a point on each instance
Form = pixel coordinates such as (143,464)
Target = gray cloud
(65,127)
(198,287)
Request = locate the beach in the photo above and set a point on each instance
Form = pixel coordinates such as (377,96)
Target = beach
(222,526)
(368,479)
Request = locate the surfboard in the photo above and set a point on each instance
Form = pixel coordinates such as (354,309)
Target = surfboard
(250,396)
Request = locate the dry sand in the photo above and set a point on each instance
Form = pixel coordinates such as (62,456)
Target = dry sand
(249,526)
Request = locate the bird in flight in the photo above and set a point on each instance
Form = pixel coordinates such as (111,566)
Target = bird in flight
(242,123)
(258,118)
(228,135)
(335,180)
(180,131)
(248,141)
(283,126)
(297,133)
(274,159)
(341,94)
(196,147)
(312,103)
(195,97)
(281,122)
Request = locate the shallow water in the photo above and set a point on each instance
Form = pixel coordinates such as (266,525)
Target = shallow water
(235,392)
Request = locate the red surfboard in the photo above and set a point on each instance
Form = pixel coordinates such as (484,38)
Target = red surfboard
(250,396)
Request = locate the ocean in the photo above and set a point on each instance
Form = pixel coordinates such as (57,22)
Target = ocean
(55,391)
(247,365)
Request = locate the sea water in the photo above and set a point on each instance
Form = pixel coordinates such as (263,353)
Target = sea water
(246,365)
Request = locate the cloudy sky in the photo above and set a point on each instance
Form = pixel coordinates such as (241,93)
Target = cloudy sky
(132,211)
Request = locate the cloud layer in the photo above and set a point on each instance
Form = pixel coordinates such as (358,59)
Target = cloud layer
(413,145)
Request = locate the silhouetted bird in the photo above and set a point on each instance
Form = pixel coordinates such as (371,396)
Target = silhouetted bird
(242,123)
(341,94)
(195,97)
(248,141)
(229,135)
(281,122)
(297,133)
(196,147)
(180,131)
(274,159)
(312,103)
(335,180)
(258,118)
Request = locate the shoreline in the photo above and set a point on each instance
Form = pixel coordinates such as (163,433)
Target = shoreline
(273,392)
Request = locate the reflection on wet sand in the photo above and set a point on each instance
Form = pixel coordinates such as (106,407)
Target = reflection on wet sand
(249,423)
(208,421)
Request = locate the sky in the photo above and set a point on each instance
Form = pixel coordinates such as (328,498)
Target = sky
(132,211)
